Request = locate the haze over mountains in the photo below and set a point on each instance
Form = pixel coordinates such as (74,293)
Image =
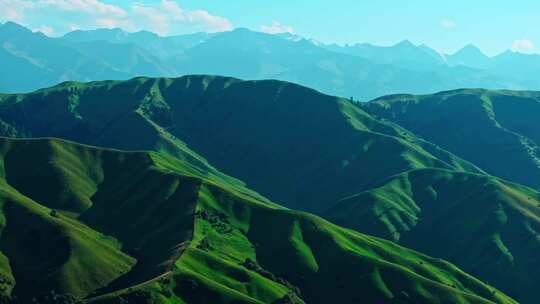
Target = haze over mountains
(363,71)
(328,155)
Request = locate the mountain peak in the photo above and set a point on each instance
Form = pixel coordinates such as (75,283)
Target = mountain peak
(471,56)
(242,30)
(470,49)
(405,44)
(14,27)
(109,34)
(144,33)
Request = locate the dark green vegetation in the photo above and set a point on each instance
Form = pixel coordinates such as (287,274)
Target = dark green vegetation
(321,149)
(364,71)
(307,151)
(496,130)
(487,226)
(141,227)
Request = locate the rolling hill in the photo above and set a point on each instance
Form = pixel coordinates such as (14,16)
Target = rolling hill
(495,130)
(322,154)
(310,149)
(143,227)
(487,226)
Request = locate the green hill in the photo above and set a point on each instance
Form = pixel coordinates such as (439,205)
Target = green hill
(141,227)
(487,226)
(309,149)
(496,130)
(298,147)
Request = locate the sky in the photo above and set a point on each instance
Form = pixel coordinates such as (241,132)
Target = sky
(492,25)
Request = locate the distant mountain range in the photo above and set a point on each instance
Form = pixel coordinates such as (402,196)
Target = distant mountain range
(351,163)
(362,71)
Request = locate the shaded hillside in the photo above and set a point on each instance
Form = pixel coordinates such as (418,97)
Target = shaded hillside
(496,130)
(309,149)
(86,221)
(487,226)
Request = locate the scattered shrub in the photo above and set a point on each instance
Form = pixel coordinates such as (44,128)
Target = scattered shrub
(255,267)
(204,245)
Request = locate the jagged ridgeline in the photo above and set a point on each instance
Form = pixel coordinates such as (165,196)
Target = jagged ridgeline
(142,227)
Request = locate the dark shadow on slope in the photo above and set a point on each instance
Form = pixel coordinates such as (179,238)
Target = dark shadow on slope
(151,214)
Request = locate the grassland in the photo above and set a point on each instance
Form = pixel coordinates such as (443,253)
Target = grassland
(354,164)
(495,130)
(487,226)
(292,144)
(140,227)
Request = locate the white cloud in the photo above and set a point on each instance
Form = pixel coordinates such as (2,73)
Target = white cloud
(214,23)
(94,7)
(447,24)
(14,10)
(163,17)
(47,30)
(73,27)
(523,46)
(152,18)
(276,28)
(168,17)
(106,23)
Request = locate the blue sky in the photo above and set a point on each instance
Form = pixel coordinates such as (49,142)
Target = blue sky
(494,26)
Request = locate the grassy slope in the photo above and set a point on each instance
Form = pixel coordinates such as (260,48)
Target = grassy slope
(99,114)
(93,190)
(488,128)
(273,126)
(148,209)
(487,226)
(325,263)
(50,253)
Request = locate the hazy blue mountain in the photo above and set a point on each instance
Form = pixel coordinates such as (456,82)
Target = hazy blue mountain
(162,47)
(362,71)
(519,67)
(253,55)
(403,54)
(34,60)
(470,56)
(127,58)
(523,67)
(112,35)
